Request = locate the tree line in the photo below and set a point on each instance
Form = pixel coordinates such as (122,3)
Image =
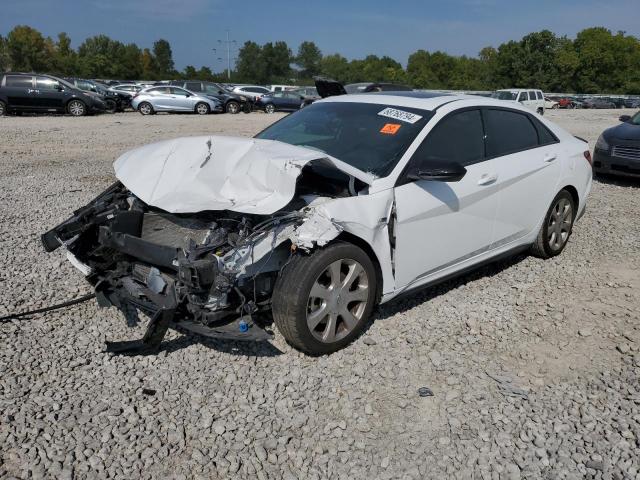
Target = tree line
(597,60)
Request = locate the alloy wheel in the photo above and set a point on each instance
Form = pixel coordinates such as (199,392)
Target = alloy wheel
(2,110)
(337,300)
(233,108)
(76,108)
(560,224)
(202,109)
(269,108)
(145,109)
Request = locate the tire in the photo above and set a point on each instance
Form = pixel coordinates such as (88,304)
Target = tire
(541,111)
(76,108)
(269,108)
(232,107)
(112,106)
(202,108)
(3,109)
(555,107)
(145,108)
(306,286)
(559,222)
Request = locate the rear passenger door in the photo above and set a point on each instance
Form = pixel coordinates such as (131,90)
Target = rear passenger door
(20,91)
(50,94)
(528,165)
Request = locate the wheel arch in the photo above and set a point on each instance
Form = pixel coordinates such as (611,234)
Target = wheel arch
(366,248)
(573,191)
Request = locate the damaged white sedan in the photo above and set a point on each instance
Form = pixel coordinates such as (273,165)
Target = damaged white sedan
(340,206)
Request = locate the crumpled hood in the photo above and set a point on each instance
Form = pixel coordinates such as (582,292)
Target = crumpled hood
(193,174)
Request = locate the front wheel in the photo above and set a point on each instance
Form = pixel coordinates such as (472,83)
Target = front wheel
(541,111)
(202,108)
(76,108)
(556,228)
(3,109)
(322,301)
(269,108)
(145,108)
(556,107)
(233,107)
(111,104)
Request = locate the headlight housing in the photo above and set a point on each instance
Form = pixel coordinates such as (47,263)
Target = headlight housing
(602,144)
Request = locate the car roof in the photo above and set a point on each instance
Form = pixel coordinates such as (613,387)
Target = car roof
(421,100)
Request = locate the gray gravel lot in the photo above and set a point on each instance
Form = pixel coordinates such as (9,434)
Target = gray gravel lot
(534,365)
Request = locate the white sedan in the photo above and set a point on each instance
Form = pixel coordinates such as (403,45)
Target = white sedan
(174,99)
(338,207)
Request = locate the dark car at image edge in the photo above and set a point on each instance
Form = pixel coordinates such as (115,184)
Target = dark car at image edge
(617,151)
(39,93)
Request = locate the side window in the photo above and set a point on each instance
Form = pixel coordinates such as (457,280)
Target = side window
(278,94)
(545,137)
(45,83)
(158,90)
(532,95)
(523,97)
(539,93)
(457,138)
(193,86)
(179,92)
(508,132)
(21,81)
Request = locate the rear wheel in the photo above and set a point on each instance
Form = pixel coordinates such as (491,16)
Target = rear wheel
(557,227)
(541,111)
(321,302)
(555,107)
(3,109)
(145,108)
(232,107)
(269,108)
(76,108)
(202,108)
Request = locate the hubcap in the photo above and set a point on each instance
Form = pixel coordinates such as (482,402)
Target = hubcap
(76,108)
(144,108)
(270,109)
(233,108)
(560,223)
(202,109)
(337,300)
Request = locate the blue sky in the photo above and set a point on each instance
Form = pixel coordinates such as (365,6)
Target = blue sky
(353,28)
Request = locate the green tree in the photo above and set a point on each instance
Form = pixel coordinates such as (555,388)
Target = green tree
(5,59)
(189,72)
(276,60)
(164,57)
(64,61)
(149,66)
(309,58)
(335,66)
(249,66)
(28,49)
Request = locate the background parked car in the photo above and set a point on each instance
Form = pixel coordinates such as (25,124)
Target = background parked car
(367,87)
(617,150)
(233,103)
(115,101)
(254,92)
(27,92)
(174,99)
(632,102)
(617,101)
(597,103)
(530,98)
(550,103)
(280,101)
(309,92)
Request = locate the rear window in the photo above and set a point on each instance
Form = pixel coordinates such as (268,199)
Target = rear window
(18,81)
(193,86)
(508,132)
(539,93)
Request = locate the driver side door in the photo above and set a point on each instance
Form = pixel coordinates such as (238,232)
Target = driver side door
(440,225)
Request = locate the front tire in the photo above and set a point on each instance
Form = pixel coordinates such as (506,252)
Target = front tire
(3,109)
(232,107)
(269,108)
(202,108)
(112,106)
(76,108)
(145,108)
(322,301)
(541,111)
(556,228)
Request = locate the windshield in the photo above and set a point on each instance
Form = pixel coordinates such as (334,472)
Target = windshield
(504,95)
(635,120)
(370,137)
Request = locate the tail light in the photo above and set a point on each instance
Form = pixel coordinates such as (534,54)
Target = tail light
(587,156)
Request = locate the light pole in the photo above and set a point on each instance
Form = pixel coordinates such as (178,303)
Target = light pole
(228,43)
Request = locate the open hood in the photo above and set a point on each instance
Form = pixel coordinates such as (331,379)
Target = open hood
(246,175)
(328,87)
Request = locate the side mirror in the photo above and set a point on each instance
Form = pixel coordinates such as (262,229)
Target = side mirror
(59,88)
(624,118)
(437,172)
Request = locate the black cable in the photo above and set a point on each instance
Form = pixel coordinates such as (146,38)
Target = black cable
(69,303)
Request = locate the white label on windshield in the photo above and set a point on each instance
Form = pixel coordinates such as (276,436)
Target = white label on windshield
(400,115)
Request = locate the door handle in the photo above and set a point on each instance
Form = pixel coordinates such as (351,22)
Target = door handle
(488,179)
(550,157)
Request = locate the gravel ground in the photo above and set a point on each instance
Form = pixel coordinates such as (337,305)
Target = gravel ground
(534,365)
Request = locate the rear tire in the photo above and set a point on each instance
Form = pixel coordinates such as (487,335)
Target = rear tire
(3,109)
(269,108)
(541,111)
(322,301)
(76,108)
(145,108)
(202,108)
(556,228)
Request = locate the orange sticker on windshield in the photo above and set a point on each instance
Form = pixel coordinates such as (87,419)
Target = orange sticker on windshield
(390,128)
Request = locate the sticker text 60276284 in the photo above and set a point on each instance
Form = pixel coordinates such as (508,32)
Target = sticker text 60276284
(400,115)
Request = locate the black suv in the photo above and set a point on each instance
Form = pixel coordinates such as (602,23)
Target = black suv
(115,101)
(233,103)
(29,92)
